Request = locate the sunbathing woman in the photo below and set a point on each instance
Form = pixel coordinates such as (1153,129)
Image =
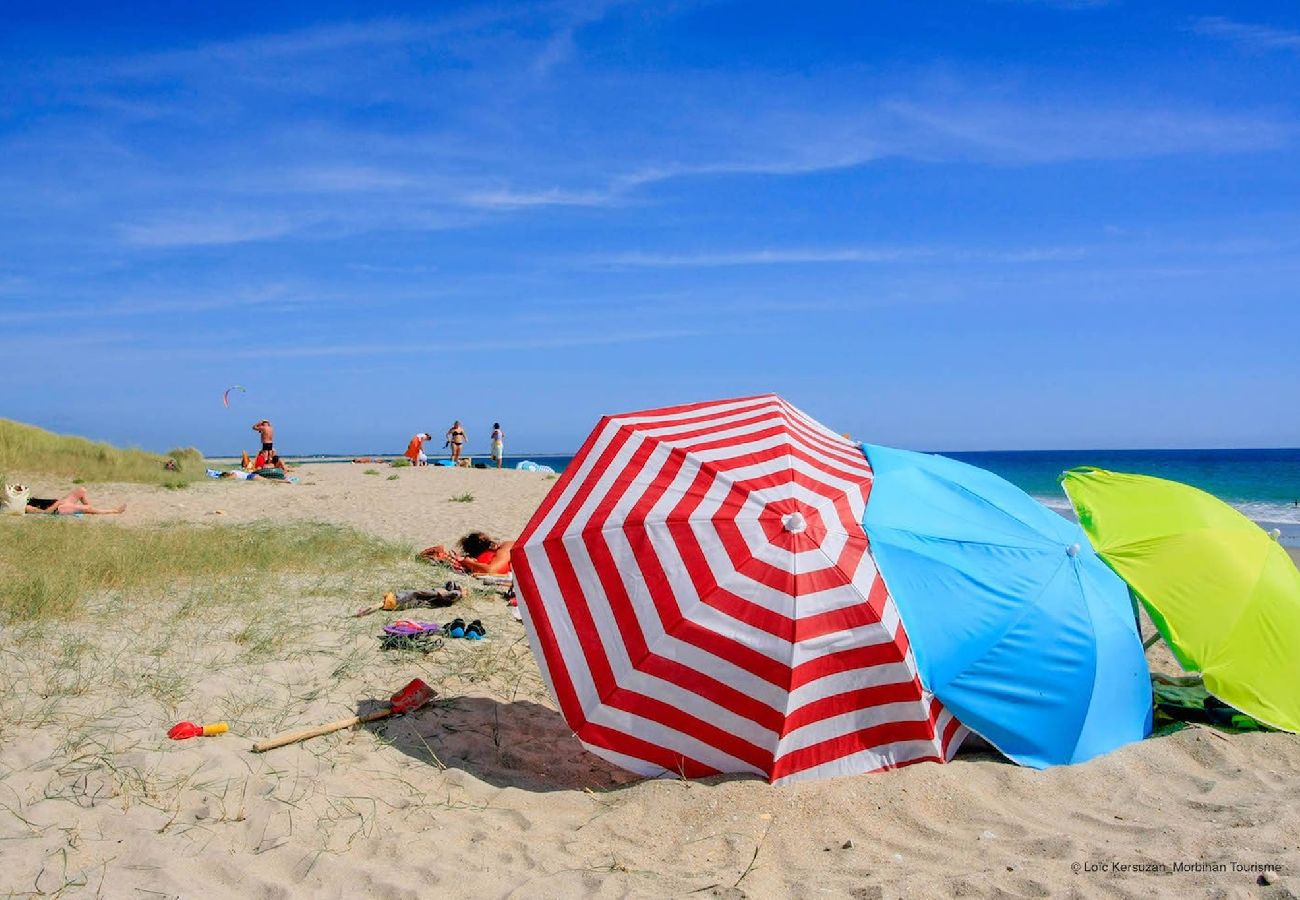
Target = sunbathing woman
(480,555)
(72,504)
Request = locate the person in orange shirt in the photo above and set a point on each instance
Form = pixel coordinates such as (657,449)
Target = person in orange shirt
(415,450)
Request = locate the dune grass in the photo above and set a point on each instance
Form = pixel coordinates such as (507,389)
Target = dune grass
(48,566)
(28,449)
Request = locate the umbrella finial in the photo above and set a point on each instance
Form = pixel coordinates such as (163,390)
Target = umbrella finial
(794,522)
(1072,550)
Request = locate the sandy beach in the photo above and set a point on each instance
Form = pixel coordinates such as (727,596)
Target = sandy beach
(487,794)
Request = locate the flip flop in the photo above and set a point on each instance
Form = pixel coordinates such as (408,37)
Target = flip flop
(406,634)
(454,628)
(475,631)
(407,628)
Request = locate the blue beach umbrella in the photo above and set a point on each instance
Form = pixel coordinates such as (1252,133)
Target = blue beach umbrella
(1017,626)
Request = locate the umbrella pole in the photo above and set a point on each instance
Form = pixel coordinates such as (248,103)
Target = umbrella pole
(1137,620)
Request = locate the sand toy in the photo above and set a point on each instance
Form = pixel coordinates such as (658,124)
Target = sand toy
(408,699)
(184,730)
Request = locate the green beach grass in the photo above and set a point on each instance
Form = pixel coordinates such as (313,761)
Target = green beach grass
(28,449)
(48,566)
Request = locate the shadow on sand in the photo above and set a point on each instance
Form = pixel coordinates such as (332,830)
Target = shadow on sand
(519,744)
(528,746)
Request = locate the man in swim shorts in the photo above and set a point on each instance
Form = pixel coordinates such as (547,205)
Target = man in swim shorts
(268,443)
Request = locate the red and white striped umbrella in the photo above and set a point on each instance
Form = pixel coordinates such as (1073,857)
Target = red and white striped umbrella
(698,590)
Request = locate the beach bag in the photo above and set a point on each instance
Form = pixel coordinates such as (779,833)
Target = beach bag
(13,499)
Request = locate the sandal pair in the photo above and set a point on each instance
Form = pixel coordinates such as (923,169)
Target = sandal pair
(457,628)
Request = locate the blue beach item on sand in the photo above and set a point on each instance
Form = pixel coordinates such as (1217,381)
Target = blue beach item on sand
(1017,626)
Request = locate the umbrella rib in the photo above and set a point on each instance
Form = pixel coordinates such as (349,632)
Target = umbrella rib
(1001,510)
(929,538)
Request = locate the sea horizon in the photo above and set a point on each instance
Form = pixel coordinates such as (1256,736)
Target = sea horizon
(1263,483)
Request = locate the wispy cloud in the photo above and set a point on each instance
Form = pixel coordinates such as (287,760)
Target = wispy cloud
(332,38)
(1029,133)
(761,257)
(560,46)
(831,255)
(192,231)
(553,342)
(347,179)
(963,127)
(267,297)
(443,124)
(1255,37)
(508,199)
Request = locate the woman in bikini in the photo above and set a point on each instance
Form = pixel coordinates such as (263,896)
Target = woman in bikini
(456,440)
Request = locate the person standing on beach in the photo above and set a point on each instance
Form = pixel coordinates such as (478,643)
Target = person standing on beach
(264,429)
(498,443)
(415,450)
(455,440)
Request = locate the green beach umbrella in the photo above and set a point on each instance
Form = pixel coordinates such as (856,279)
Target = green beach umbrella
(1224,595)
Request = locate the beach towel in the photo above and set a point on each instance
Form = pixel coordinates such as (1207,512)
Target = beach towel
(1178,705)
(13,499)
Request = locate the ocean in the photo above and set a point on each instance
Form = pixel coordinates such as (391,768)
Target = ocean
(1263,484)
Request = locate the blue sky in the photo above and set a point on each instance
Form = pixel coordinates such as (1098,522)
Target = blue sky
(952,225)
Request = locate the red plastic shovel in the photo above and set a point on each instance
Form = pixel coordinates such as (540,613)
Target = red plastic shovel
(182,730)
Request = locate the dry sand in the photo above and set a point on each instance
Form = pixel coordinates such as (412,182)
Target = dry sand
(488,794)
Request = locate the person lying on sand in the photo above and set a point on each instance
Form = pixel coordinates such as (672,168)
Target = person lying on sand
(273,470)
(480,555)
(274,476)
(76,502)
(273,463)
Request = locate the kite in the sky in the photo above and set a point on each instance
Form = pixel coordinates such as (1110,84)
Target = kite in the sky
(225,398)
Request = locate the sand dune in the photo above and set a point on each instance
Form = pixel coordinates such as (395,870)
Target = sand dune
(486,793)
